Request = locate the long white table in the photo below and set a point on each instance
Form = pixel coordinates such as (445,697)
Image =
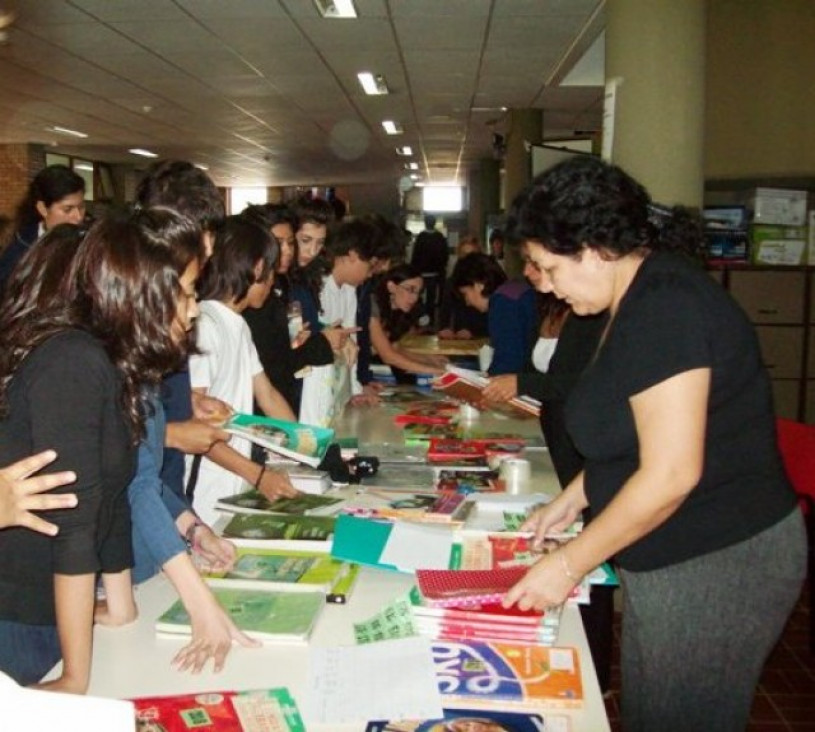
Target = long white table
(133,661)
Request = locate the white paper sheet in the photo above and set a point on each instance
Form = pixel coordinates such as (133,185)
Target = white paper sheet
(359,683)
(413,546)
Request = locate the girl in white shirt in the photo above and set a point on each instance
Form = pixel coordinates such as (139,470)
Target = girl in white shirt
(239,275)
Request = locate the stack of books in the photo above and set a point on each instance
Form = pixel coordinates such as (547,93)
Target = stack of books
(466,605)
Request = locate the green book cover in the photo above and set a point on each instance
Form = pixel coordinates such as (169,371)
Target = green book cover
(261,614)
(254,501)
(302,442)
(279,526)
(283,568)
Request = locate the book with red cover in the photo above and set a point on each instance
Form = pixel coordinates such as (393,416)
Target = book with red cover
(220,711)
(509,676)
(445,450)
(469,385)
(463,587)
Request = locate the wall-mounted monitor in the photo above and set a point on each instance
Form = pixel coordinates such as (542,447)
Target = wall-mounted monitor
(545,156)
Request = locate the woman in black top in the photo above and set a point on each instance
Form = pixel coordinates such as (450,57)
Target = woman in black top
(682,474)
(72,367)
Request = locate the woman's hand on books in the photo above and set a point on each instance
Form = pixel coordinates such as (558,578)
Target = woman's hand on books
(212,634)
(19,493)
(501,388)
(213,552)
(552,518)
(276,484)
(544,586)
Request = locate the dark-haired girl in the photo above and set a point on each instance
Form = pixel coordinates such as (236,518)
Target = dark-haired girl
(682,473)
(394,312)
(72,369)
(239,275)
(510,307)
(55,196)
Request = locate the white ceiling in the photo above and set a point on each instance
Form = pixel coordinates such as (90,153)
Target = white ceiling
(264,92)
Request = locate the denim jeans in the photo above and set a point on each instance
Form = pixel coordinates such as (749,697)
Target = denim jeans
(28,652)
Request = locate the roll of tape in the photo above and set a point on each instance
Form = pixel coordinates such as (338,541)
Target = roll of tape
(515,472)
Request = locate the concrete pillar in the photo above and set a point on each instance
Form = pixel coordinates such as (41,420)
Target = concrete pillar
(655,51)
(525,128)
(484,187)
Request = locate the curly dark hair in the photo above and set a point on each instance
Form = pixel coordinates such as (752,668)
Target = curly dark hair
(396,322)
(122,287)
(585,202)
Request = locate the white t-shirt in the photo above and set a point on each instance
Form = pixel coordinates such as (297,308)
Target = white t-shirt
(543,352)
(326,388)
(225,366)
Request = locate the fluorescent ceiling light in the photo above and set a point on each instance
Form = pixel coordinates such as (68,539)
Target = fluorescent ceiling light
(83,166)
(67,131)
(201,166)
(415,176)
(336,8)
(392,128)
(371,84)
(411,166)
(404,150)
(143,153)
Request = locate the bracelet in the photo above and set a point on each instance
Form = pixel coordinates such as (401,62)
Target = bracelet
(260,476)
(564,563)
(189,534)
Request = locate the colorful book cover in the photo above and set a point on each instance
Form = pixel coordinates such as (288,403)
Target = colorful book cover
(223,711)
(261,614)
(466,587)
(469,481)
(302,442)
(254,501)
(463,720)
(279,526)
(507,675)
(414,433)
(281,569)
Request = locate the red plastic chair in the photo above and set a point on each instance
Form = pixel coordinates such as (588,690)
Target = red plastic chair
(797,444)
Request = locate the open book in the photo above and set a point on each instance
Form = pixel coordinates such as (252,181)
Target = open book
(468,386)
(302,442)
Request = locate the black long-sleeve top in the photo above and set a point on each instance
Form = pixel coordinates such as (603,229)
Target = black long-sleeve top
(66,395)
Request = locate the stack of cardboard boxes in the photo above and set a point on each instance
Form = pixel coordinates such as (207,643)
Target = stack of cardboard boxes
(778,233)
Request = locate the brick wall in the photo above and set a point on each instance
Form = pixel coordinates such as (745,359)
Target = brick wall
(19,163)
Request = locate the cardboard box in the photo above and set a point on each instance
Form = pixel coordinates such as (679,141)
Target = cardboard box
(780,245)
(779,206)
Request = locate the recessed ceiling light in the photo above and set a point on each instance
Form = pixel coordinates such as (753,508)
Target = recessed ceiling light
(411,166)
(67,131)
(372,84)
(143,153)
(404,150)
(392,128)
(336,8)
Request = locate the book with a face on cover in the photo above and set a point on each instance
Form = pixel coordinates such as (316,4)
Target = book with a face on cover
(302,442)
(225,711)
(476,720)
(253,501)
(267,615)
